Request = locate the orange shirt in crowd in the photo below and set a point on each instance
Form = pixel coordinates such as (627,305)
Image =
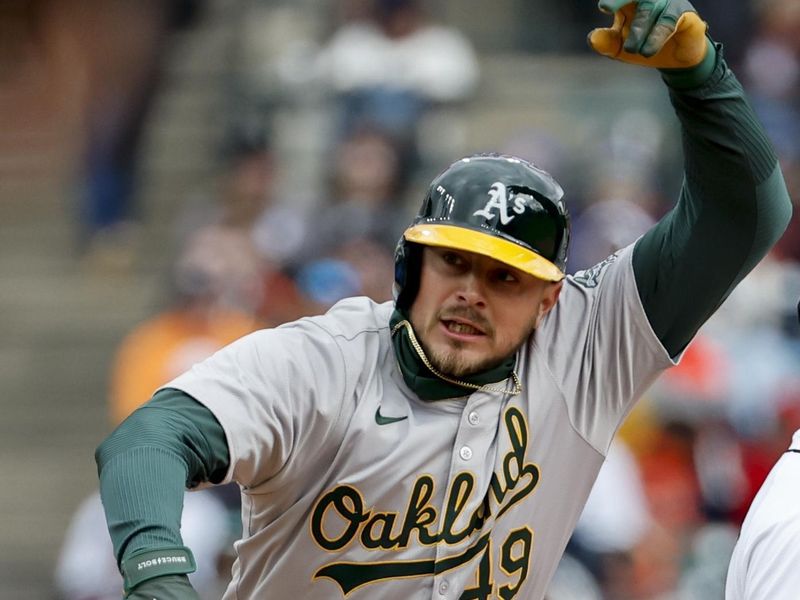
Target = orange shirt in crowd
(165,346)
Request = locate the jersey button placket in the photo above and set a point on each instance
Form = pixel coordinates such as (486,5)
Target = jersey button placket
(473,453)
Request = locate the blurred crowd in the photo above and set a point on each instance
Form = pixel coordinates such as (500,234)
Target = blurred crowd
(265,246)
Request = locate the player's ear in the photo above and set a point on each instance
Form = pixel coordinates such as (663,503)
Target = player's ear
(549,299)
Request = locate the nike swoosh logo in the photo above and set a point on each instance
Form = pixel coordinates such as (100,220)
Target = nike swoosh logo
(381,420)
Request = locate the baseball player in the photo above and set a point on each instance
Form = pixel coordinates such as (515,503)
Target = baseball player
(766,555)
(442,445)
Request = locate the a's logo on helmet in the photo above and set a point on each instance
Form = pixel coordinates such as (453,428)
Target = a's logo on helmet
(498,199)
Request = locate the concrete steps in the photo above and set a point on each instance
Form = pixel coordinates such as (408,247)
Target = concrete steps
(60,321)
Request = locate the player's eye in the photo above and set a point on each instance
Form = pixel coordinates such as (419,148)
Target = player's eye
(452,258)
(506,276)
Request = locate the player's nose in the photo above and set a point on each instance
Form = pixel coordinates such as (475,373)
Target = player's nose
(471,290)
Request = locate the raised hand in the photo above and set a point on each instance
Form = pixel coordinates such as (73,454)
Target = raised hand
(663,34)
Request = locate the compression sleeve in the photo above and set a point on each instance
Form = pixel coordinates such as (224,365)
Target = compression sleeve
(732,208)
(169,444)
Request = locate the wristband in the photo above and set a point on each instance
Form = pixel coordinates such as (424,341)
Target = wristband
(147,564)
(696,76)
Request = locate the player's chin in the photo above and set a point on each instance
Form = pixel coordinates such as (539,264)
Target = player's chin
(464,362)
(465,357)
(480,360)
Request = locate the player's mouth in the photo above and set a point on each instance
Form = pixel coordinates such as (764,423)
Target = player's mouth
(462,329)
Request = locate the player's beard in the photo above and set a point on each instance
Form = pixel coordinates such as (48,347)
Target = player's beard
(453,360)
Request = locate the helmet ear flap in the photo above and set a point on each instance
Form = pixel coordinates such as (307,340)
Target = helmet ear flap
(407,272)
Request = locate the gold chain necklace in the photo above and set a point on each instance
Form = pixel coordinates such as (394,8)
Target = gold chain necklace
(473,386)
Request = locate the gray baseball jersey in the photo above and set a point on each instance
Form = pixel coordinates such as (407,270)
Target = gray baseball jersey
(354,487)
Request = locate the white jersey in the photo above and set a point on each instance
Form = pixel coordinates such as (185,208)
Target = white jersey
(765,560)
(353,486)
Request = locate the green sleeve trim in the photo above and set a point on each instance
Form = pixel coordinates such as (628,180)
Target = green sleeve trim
(686,79)
(148,564)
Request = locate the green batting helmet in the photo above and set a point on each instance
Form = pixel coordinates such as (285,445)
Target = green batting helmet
(499,206)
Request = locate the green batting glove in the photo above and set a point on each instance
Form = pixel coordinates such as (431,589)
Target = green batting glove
(662,34)
(167,587)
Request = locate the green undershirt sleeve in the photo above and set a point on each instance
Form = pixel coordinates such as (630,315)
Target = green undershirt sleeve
(732,208)
(169,444)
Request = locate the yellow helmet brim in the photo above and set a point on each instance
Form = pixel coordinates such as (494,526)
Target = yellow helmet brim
(470,240)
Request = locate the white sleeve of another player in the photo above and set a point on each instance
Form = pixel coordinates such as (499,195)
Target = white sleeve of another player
(278,394)
(600,347)
(764,565)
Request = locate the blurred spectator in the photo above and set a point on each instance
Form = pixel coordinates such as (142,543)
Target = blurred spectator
(245,201)
(548,151)
(670,478)
(650,572)
(359,267)
(247,180)
(374,263)
(775,46)
(389,67)
(763,300)
(748,360)
(573,581)
(350,239)
(772,77)
(616,517)
(278,226)
(323,282)
(759,451)
(707,562)
(642,559)
(367,179)
(732,25)
(271,57)
(605,227)
(699,386)
(718,460)
(245,198)
(384,65)
(621,189)
(124,46)
(216,289)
